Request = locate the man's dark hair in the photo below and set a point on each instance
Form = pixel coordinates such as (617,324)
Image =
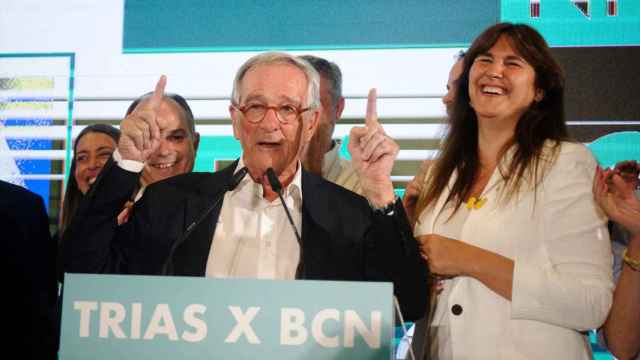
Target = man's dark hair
(329,71)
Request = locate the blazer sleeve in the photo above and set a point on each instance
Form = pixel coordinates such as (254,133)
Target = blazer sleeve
(394,256)
(574,287)
(29,259)
(90,243)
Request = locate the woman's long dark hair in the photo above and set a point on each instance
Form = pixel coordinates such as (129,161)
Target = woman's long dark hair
(544,120)
(72,194)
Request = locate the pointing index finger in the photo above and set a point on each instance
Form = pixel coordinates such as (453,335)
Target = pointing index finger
(372,112)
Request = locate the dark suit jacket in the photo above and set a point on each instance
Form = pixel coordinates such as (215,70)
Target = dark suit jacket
(30,286)
(342,239)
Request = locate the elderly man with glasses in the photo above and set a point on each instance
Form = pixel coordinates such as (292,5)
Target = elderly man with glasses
(200,224)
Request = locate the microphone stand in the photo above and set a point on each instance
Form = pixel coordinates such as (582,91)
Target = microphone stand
(277,187)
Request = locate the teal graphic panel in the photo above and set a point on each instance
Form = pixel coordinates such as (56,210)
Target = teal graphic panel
(615,147)
(216,148)
(239,25)
(578,22)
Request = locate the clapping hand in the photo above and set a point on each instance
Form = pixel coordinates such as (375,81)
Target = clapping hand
(613,189)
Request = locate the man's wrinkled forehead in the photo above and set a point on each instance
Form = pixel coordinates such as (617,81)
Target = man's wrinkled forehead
(260,80)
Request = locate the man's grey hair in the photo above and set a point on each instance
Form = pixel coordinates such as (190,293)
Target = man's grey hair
(331,72)
(267,58)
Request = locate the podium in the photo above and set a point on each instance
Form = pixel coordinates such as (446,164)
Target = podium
(162,317)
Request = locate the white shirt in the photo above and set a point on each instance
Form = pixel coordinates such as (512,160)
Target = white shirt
(253,237)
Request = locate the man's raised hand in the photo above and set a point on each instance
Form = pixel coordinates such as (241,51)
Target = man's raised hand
(373,154)
(140,133)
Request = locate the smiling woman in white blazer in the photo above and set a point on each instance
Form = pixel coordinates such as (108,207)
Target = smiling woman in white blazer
(506,216)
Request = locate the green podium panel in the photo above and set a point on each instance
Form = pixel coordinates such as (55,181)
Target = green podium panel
(158,317)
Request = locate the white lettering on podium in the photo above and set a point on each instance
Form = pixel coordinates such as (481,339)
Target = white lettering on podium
(243,325)
(292,330)
(85,308)
(111,315)
(318,333)
(198,325)
(161,323)
(352,322)
(136,319)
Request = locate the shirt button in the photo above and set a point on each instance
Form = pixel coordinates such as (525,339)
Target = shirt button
(456,309)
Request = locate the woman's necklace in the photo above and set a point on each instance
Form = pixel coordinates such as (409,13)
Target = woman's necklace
(478,202)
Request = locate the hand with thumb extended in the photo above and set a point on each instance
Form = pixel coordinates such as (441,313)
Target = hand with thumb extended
(139,131)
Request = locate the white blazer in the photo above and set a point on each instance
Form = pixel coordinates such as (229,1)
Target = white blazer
(562,282)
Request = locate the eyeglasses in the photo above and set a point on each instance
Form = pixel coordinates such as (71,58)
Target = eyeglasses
(255,113)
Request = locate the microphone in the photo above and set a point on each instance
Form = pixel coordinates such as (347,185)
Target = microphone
(274,181)
(277,187)
(231,185)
